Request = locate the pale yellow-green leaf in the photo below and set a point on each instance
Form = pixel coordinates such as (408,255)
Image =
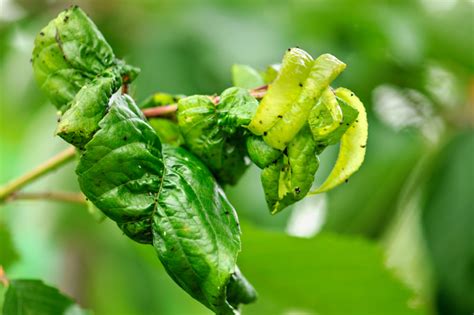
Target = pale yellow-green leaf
(353,145)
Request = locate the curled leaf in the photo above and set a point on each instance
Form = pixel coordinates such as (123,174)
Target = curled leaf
(283,92)
(235,109)
(324,70)
(260,152)
(353,145)
(329,119)
(290,178)
(70,52)
(213,132)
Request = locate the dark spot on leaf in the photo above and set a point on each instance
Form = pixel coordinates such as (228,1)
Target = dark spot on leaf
(125,138)
(42,33)
(347,124)
(363,146)
(280,116)
(357,120)
(265,133)
(301,84)
(352,94)
(261,122)
(347,180)
(289,49)
(297,190)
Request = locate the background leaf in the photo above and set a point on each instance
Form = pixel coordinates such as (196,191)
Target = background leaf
(448,222)
(8,253)
(328,274)
(34,297)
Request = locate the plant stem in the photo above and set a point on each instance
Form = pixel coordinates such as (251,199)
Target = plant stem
(45,168)
(165,110)
(53,196)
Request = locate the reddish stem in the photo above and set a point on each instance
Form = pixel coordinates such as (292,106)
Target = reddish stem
(166,110)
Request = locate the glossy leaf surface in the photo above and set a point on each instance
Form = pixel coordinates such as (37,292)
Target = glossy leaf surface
(169,199)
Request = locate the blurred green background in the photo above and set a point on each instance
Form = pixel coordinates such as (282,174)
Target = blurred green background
(397,239)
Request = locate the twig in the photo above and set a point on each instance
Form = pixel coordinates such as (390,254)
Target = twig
(53,196)
(45,168)
(165,110)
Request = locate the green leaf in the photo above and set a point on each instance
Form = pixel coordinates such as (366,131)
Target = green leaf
(34,297)
(291,177)
(260,152)
(246,77)
(196,232)
(168,199)
(448,221)
(80,121)
(160,99)
(8,253)
(353,145)
(235,109)
(271,73)
(329,274)
(324,70)
(283,92)
(224,154)
(329,119)
(167,131)
(70,52)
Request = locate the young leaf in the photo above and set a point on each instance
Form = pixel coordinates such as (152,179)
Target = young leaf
(70,52)
(270,74)
(290,178)
(168,199)
(246,77)
(235,109)
(80,121)
(353,145)
(324,70)
(198,119)
(329,119)
(260,152)
(167,131)
(34,297)
(283,92)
